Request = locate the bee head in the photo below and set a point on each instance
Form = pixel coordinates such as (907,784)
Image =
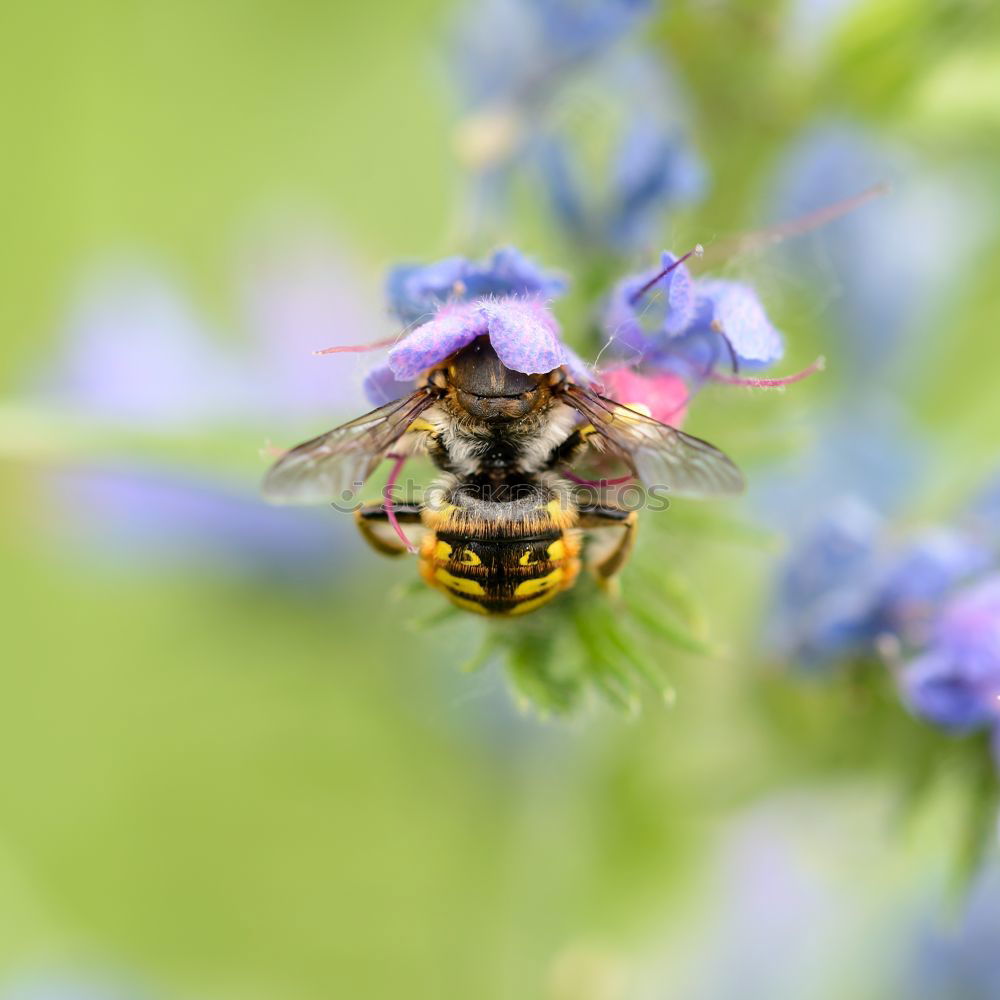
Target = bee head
(486,389)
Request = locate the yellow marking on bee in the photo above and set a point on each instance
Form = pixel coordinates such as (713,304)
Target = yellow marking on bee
(468,605)
(530,587)
(587,430)
(420,425)
(554,507)
(526,559)
(557,550)
(458,583)
(469,558)
(442,551)
(525,606)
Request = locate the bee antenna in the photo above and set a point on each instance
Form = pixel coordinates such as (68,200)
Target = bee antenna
(696,251)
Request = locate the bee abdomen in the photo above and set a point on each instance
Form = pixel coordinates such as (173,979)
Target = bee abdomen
(500,576)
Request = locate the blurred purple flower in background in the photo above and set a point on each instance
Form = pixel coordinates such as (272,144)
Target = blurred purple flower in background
(547,87)
(134,351)
(140,516)
(960,961)
(50,986)
(299,294)
(137,357)
(512,51)
(614,154)
(955,682)
(885,278)
(827,588)
(847,582)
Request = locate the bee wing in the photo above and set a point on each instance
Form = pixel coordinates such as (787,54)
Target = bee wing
(333,465)
(655,452)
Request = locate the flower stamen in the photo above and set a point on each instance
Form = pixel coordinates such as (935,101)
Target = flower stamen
(772,383)
(696,251)
(388,506)
(359,348)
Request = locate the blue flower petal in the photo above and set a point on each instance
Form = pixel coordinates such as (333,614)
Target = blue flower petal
(452,328)
(956,682)
(524,334)
(416,291)
(737,313)
(936,689)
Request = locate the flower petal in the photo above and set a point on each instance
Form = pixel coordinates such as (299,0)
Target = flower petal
(524,334)
(665,395)
(452,328)
(736,311)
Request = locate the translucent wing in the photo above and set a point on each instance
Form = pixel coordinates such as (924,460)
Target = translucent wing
(657,453)
(333,465)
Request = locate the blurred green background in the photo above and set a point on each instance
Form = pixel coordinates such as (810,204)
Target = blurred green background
(227,785)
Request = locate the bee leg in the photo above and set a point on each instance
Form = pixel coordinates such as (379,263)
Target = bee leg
(608,556)
(377,530)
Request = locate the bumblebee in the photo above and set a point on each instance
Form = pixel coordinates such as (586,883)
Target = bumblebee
(501,528)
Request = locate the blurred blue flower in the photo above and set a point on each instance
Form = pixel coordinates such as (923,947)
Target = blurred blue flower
(885,278)
(955,682)
(921,575)
(135,352)
(827,589)
(847,582)
(150,517)
(69,987)
(669,321)
(548,89)
(958,961)
(645,164)
(415,291)
(510,51)
(301,292)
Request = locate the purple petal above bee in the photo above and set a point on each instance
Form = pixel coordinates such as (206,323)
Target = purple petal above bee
(523,332)
(416,291)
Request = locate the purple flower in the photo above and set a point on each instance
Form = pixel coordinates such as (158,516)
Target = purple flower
(879,267)
(690,326)
(136,352)
(847,582)
(955,682)
(523,332)
(140,517)
(416,291)
(302,293)
(648,168)
(922,575)
(549,90)
(952,959)
(828,589)
(512,51)
(48,986)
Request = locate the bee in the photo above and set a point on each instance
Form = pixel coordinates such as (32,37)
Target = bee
(502,526)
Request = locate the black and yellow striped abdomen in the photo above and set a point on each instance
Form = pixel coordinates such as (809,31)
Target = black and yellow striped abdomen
(500,558)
